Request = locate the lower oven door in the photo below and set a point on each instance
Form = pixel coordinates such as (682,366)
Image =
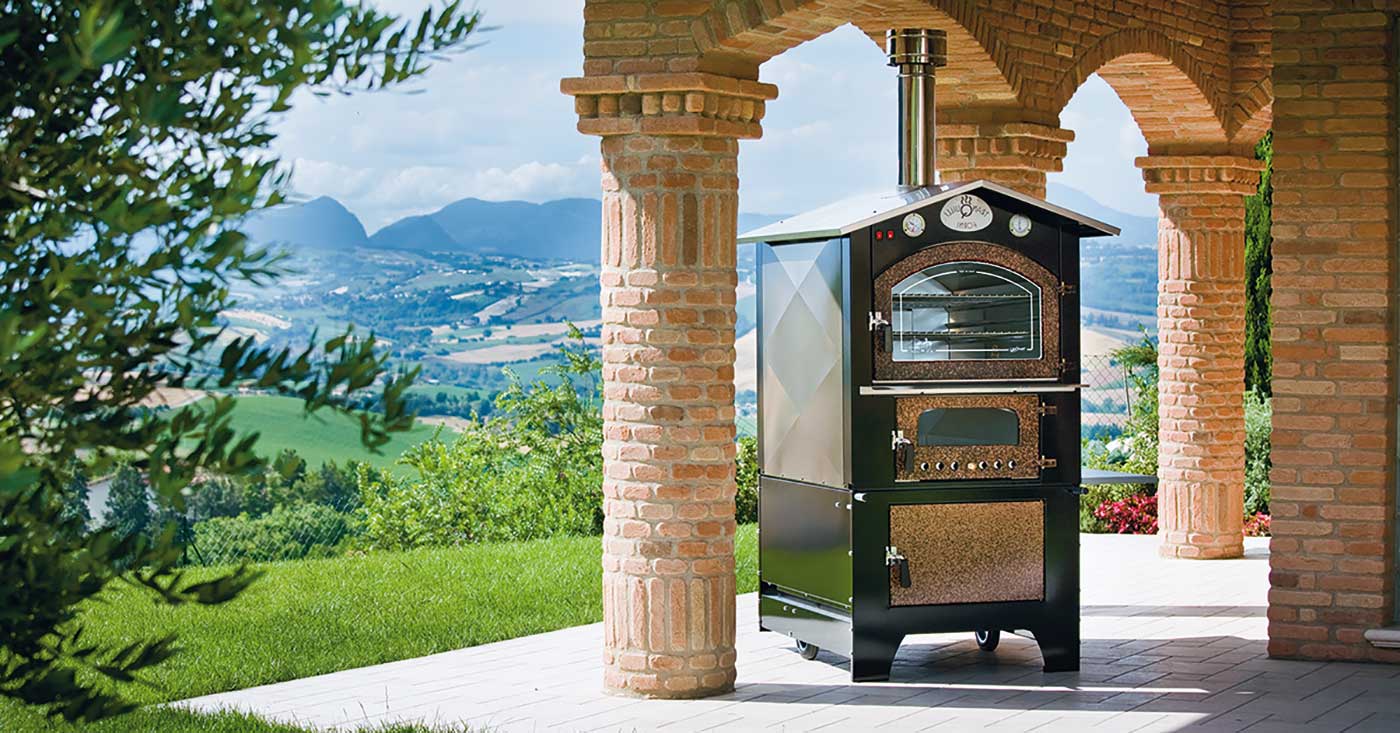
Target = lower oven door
(974,552)
(943,437)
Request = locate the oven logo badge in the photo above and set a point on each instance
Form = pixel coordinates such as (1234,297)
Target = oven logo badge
(966,213)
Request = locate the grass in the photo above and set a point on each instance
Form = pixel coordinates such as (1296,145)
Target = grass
(319,438)
(168,720)
(318,616)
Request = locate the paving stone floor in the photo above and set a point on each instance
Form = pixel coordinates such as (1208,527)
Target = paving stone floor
(1168,645)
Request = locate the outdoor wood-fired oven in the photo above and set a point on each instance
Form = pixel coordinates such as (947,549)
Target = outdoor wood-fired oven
(919,409)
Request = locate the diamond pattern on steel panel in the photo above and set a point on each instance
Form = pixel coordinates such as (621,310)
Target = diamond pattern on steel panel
(801,395)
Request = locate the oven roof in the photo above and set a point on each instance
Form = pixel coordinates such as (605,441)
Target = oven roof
(844,217)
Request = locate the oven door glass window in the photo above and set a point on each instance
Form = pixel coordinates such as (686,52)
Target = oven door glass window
(965,311)
(954,426)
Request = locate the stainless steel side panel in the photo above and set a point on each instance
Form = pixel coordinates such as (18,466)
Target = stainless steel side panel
(801,392)
(804,548)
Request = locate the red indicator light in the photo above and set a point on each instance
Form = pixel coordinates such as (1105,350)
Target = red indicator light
(890,234)
(879,234)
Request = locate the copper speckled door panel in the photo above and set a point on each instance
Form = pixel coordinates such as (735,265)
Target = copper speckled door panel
(956,437)
(982,552)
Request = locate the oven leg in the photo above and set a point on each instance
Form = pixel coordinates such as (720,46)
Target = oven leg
(1059,647)
(872,655)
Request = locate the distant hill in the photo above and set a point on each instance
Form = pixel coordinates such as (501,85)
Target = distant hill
(414,233)
(319,224)
(564,229)
(1136,229)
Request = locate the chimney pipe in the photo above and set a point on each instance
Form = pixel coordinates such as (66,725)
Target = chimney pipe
(916,52)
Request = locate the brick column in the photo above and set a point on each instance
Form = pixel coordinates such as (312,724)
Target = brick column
(670,207)
(1333,555)
(1017,155)
(1200,327)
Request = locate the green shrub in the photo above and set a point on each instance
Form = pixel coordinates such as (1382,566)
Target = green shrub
(220,496)
(1258,426)
(286,533)
(1136,450)
(1098,494)
(534,469)
(746,478)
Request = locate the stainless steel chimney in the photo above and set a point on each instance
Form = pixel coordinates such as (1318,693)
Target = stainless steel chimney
(916,52)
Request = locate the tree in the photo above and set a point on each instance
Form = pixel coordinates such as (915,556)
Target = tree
(76,495)
(1258,267)
(134,140)
(128,503)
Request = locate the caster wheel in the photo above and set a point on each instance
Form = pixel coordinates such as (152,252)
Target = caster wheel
(987,639)
(808,651)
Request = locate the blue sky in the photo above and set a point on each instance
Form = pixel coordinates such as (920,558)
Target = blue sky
(491,123)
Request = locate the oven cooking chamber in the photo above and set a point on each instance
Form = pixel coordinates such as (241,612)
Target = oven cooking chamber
(966,310)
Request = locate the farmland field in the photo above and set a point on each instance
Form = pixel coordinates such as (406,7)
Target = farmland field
(317,438)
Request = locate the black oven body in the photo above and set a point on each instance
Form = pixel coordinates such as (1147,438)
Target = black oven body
(891,500)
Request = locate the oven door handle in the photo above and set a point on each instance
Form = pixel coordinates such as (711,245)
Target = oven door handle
(880,330)
(903,452)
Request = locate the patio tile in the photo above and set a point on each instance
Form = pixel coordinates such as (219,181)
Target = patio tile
(1168,645)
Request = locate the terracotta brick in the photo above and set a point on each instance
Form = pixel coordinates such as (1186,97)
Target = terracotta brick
(1204,79)
(1339,361)
(668,288)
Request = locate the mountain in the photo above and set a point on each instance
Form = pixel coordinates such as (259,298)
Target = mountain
(319,224)
(415,233)
(1136,229)
(566,229)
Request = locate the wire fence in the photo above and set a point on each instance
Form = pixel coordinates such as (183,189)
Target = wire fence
(1107,398)
(317,512)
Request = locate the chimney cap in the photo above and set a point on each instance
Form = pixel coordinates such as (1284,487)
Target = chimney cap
(923,46)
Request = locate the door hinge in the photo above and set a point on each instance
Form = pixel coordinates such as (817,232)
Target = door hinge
(1047,462)
(1065,289)
(1047,410)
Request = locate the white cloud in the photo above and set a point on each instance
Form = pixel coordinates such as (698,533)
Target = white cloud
(501,11)
(491,123)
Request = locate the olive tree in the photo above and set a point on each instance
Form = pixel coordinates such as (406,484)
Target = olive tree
(134,140)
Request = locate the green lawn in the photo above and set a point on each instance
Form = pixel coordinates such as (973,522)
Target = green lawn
(319,438)
(317,616)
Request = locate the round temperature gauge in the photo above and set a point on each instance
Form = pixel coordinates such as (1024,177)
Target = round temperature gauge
(914,225)
(1020,225)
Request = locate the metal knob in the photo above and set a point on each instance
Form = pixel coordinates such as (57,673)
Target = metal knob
(982,465)
(923,466)
(938,465)
(953,466)
(996,463)
(1011,463)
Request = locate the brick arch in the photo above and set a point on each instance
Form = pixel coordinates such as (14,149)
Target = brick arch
(1174,101)
(1253,113)
(738,35)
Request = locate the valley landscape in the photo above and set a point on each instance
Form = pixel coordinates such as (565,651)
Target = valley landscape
(478,288)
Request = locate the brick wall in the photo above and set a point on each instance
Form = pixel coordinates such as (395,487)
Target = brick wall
(1334,331)
(1195,71)
(1198,78)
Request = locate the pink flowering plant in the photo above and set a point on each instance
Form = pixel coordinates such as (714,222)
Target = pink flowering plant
(1136,514)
